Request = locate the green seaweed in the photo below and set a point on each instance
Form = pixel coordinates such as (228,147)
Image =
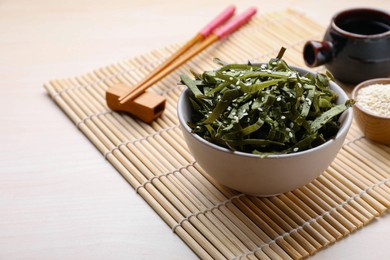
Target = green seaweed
(263,109)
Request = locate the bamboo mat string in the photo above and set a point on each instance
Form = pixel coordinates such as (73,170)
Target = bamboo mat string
(214,221)
(125,143)
(223,203)
(164,175)
(82,121)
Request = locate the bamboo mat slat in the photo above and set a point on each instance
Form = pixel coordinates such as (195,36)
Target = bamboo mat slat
(214,221)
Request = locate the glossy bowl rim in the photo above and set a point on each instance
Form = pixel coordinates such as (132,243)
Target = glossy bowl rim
(364,84)
(356,35)
(344,128)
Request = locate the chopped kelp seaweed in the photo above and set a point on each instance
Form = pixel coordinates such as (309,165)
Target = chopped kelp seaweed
(263,108)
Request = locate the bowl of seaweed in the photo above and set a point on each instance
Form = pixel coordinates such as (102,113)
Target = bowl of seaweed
(263,128)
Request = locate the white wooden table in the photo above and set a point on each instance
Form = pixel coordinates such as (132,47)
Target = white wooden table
(59,199)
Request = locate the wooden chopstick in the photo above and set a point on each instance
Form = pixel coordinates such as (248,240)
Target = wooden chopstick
(200,36)
(218,34)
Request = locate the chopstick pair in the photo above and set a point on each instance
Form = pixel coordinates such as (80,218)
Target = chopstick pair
(148,106)
(207,36)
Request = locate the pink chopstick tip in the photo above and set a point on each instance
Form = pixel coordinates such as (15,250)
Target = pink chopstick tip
(253,9)
(236,23)
(218,21)
(247,15)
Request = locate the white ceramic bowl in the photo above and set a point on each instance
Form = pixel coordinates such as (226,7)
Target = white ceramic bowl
(275,174)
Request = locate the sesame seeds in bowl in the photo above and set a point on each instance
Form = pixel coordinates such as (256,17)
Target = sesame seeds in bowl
(375,99)
(372,109)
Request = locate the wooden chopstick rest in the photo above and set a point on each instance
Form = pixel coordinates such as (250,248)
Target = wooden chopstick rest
(147,106)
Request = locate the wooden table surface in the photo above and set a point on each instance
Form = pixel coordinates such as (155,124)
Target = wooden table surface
(59,198)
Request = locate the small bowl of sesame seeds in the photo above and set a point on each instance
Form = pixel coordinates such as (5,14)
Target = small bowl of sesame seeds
(372,109)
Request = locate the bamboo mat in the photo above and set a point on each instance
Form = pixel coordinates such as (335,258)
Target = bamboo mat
(214,221)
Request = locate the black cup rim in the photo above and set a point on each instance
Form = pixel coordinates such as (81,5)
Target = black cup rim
(355,35)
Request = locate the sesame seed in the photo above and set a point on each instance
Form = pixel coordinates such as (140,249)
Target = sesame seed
(283,117)
(231,78)
(296,149)
(375,98)
(290,134)
(288,129)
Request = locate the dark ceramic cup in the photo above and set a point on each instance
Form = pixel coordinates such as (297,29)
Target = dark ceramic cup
(356,46)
